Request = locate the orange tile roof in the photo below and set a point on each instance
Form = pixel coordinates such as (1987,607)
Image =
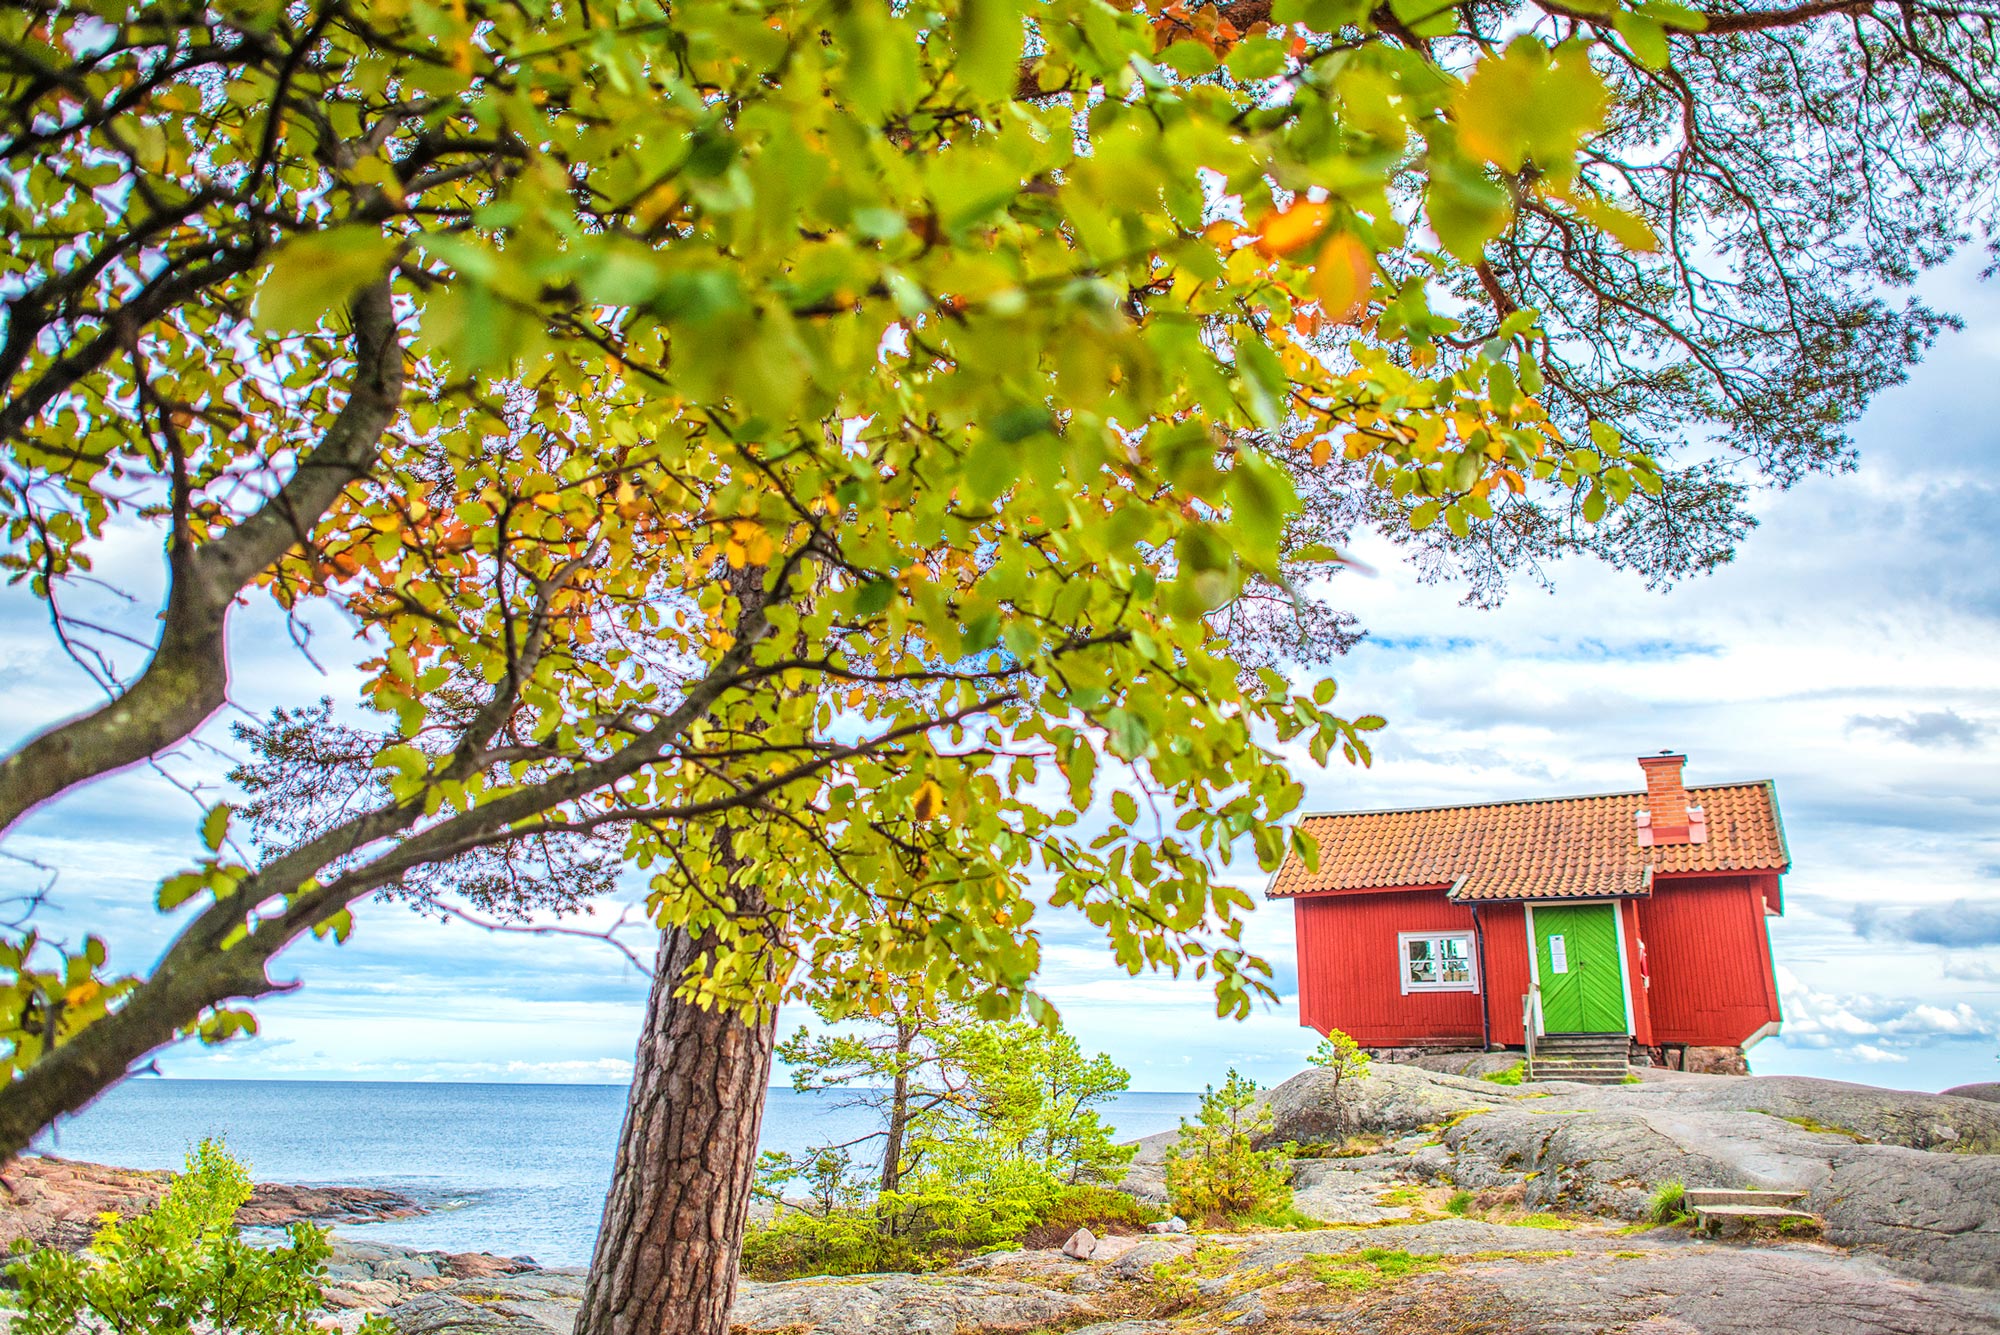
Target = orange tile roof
(1548,848)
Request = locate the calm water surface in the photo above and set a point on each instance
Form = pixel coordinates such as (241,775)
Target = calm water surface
(515,1169)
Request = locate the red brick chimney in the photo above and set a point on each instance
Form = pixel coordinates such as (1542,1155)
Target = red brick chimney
(1666,817)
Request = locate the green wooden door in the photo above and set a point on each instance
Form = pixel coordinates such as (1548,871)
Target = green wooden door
(1576,955)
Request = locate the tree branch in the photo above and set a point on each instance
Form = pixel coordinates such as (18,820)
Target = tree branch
(187,678)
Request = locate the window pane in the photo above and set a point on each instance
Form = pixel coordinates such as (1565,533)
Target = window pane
(1457,967)
(1423,961)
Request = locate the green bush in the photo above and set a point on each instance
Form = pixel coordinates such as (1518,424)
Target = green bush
(924,1230)
(1669,1204)
(182,1266)
(1460,1202)
(847,1242)
(1213,1171)
(1100,1209)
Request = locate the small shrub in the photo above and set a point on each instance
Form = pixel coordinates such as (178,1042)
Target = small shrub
(1342,1057)
(1513,1075)
(181,1266)
(1213,1171)
(1669,1203)
(1460,1202)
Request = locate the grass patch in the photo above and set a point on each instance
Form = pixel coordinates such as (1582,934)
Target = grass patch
(1630,1080)
(1826,1129)
(1628,1256)
(1396,1196)
(1371,1268)
(1543,1219)
(1669,1204)
(1351,1148)
(1285,1218)
(1540,1254)
(1643,1226)
(1460,1202)
(1512,1076)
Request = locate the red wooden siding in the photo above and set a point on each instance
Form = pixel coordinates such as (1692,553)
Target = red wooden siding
(1635,986)
(1507,969)
(1710,958)
(1350,972)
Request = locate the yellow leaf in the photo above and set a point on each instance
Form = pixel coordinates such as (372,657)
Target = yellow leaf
(928,802)
(1343,275)
(1531,103)
(1292,229)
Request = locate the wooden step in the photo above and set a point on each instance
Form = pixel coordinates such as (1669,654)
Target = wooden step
(1609,1077)
(1698,1197)
(1571,1049)
(1719,1219)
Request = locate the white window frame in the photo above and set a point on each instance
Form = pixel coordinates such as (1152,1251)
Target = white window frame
(1403,939)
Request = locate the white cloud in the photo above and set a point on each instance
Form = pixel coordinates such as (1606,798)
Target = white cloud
(1868,1052)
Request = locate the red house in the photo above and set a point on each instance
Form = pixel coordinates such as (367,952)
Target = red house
(1639,918)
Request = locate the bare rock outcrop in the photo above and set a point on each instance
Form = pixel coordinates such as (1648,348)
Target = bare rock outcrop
(1911,1178)
(56,1202)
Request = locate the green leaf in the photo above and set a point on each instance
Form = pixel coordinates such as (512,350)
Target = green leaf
(1257,58)
(1131,737)
(310,275)
(1675,15)
(990,47)
(1261,499)
(179,889)
(1426,18)
(1124,807)
(1465,209)
(340,926)
(1646,36)
(1189,59)
(1264,377)
(874,597)
(215,826)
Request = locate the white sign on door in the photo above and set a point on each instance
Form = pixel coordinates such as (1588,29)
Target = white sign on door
(1558,953)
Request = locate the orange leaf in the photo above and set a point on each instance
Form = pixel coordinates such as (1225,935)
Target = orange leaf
(1293,229)
(1322,451)
(1342,276)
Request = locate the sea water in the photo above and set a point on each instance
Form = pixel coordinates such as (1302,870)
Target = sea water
(519,1170)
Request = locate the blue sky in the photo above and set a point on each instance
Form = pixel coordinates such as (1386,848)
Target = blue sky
(1850,654)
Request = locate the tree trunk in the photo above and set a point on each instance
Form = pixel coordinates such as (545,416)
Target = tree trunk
(672,1233)
(899,1110)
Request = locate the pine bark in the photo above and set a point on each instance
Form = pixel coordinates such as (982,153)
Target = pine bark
(672,1233)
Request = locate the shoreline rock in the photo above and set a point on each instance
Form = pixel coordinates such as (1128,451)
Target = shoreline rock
(55,1202)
